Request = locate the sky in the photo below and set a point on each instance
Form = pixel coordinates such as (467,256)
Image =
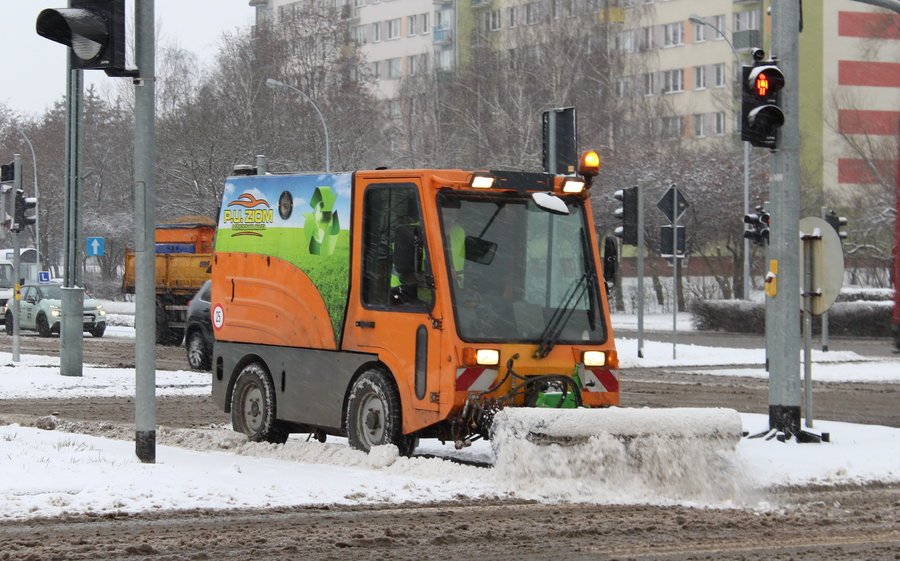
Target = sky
(70,468)
(34,68)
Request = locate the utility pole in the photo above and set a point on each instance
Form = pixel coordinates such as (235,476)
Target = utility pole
(145,235)
(782,307)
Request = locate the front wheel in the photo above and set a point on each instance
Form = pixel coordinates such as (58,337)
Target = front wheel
(373,414)
(43,326)
(98,330)
(253,406)
(7,321)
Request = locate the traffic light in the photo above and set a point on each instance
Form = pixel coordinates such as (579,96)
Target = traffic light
(7,175)
(758,223)
(628,214)
(22,218)
(93,29)
(837,222)
(761,116)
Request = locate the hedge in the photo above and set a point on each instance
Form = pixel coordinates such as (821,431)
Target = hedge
(856,318)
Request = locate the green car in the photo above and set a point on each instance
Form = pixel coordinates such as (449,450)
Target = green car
(39,310)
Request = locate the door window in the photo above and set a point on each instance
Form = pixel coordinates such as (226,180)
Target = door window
(396,269)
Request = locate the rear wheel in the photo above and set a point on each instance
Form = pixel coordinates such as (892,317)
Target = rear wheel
(43,326)
(197,353)
(373,414)
(253,406)
(7,323)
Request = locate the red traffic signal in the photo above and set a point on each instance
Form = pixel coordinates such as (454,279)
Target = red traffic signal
(761,116)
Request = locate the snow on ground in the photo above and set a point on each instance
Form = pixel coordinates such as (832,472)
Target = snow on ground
(60,472)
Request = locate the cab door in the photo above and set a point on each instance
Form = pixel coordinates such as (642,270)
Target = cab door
(395,290)
(28,307)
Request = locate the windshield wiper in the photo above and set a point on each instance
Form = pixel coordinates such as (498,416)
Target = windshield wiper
(561,315)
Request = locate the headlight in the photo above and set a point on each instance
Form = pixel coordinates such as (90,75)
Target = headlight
(594,358)
(54,312)
(100,311)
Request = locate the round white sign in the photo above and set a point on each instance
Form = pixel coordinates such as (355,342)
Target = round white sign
(218,317)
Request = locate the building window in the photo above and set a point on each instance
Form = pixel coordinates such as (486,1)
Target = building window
(746,21)
(699,33)
(699,77)
(492,20)
(697,119)
(720,123)
(623,87)
(393,28)
(446,59)
(624,41)
(674,34)
(361,33)
(376,32)
(532,11)
(719,22)
(720,74)
(672,128)
(647,38)
(511,16)
(423,19)
(673,81)
(376,69)
(649,83)
(411,62)
(393,68)
(423,62)
(554,8)
(411,25)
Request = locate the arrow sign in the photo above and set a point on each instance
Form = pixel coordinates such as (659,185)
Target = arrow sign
(95,247)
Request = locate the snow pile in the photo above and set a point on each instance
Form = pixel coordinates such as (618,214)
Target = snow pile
(614,454)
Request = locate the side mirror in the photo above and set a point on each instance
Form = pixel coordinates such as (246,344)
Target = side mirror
(610,260)
(30,299)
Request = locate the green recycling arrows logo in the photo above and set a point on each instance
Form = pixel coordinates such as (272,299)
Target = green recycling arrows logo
(322,225)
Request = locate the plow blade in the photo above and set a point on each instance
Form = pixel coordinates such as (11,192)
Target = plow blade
(679,452)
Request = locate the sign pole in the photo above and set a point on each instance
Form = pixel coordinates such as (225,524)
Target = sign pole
(17,258)
(640,269)
(674,268)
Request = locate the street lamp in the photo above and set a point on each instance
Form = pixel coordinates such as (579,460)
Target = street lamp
(276,85)
(694,18)
(37,222)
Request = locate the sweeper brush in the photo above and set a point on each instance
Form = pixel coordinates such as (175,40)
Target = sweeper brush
(688,452)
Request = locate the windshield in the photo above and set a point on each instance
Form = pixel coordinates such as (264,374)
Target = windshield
(52,291)
(513,266)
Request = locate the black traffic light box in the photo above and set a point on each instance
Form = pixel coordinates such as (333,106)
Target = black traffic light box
(837,222)
(758,226)
(93,29)
(21,216)
(628,214)
(761,114)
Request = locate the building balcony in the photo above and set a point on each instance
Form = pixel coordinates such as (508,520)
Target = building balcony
(749,39)
(442,35)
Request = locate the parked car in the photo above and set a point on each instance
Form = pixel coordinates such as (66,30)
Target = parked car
(39,310)
(198,335)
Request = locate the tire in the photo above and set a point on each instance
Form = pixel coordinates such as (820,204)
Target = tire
(164,334)
(98,330)
(43,327)
(8,323)
(253,406)
(374,416)
(197,351)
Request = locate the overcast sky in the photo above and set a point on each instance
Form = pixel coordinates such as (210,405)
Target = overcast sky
(33,69)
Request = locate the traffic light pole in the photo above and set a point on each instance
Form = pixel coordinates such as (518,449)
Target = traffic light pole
(71,334)
(782,327)
(145,236)
(640,269)
(17,260)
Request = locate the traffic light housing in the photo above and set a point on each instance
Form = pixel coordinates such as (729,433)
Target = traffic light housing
(7,176)
(758,226)
(93,29)
(628,214)
(837,222)
(761,114)
(22,217)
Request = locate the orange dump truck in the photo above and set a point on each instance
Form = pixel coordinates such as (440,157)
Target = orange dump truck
(184,248)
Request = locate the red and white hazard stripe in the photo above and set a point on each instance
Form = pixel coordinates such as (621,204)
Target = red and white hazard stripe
(475,378)
(599,380)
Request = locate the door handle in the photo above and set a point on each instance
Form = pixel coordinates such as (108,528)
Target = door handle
(367,324)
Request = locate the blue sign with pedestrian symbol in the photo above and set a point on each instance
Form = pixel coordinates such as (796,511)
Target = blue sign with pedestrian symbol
(95,247)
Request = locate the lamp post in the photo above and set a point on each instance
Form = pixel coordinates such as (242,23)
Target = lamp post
(275,84)
(37,222)
(694,18)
